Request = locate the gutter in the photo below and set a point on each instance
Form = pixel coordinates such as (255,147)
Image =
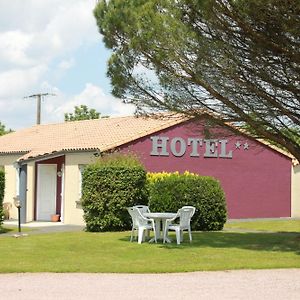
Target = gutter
(55,153)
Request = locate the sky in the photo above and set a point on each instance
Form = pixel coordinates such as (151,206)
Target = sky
(52,46)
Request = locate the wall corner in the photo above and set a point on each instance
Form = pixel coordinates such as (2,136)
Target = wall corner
(295,192)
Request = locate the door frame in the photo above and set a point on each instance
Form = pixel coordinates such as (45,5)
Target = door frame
(22,172)
(39,202)
(60,162)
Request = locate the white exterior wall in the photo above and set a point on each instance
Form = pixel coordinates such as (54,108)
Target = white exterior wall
(11,186)
(295,201)
(72,214)
(30,191)
(10,182)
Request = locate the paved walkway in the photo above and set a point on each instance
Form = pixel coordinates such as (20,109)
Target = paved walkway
(40,227)
(244,284)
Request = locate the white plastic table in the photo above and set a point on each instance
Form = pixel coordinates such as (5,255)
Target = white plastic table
(159,217)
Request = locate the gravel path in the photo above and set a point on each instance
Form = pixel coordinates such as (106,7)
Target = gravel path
(244,284)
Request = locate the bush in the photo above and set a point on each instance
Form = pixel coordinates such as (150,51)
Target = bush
(171,191)
(108,188)
(2,187)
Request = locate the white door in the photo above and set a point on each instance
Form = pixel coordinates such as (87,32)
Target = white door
(46,191)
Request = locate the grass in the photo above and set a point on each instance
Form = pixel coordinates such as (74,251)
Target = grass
(112,251)
(13,229)
(266,225)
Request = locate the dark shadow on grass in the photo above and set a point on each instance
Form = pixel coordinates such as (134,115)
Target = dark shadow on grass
(258,231)
(258,241)
(283,242)
(287,232)
(5,230)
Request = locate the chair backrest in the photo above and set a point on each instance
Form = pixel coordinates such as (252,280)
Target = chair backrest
(185,215)
(137,218)
(192,208)
(143,208)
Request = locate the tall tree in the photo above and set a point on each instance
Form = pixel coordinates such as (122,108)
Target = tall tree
(82,112)
(3,129)
(236,59)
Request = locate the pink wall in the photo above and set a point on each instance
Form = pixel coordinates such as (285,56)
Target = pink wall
(256,181)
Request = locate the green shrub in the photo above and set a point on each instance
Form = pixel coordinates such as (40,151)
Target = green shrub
(2,187)
(108,188)
(171,191)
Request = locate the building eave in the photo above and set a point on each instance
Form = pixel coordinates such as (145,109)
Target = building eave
(56,153)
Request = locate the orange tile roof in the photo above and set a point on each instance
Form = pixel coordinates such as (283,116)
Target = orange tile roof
(89,135)
(101,134)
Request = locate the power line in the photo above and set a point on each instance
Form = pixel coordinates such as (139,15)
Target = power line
(38,104)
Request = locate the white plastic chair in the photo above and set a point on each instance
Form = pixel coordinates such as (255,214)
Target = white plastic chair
(142,208)
(185,215)
(140,223)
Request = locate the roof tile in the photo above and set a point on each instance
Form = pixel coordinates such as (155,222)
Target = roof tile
(102,134)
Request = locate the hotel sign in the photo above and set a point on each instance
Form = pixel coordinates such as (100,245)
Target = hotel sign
(195,147)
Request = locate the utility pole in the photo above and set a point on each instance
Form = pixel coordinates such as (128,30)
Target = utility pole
(39,104)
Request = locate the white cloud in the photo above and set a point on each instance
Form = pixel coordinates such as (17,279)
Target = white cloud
(45,29)
(66,64)
(92,96)
(71,26)
(13,47)
(37,43)
(18,81)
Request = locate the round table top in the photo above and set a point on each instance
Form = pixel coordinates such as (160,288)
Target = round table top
(160,215)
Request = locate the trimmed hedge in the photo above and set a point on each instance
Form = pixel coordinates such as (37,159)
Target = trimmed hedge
(171,191)
(108,188)
(2,188)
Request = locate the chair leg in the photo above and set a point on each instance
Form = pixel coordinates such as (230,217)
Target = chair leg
(154,232)
(190,235)
(140,235)
(178,236)
(144,236)
(132,234)
(164,235)
(181,235)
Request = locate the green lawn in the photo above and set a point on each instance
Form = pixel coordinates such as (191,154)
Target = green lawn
(13,229)
(266,225)
(112,252)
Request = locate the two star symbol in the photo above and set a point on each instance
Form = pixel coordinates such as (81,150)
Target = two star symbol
(238,145)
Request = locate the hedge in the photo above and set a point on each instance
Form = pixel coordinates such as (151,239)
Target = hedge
(170,191)
(108,188)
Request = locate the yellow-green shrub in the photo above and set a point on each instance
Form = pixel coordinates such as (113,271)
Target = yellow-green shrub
(171,191)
